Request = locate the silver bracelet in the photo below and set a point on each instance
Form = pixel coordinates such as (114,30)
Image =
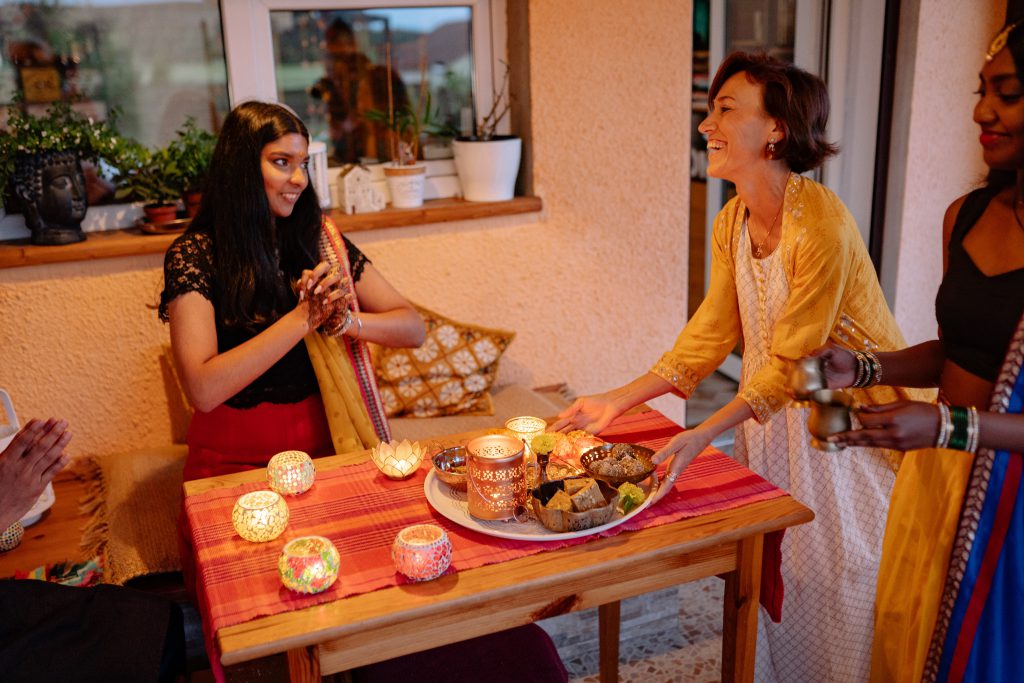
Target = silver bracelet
(345,324)
(945,426)
(359,327)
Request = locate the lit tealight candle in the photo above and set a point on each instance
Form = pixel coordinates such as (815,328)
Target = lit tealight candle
(309,564)
(525,428)
(260,516)
(290,473)
(397,460)
(422,552)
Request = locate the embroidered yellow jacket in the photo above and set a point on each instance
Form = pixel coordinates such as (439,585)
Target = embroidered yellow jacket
(833,294)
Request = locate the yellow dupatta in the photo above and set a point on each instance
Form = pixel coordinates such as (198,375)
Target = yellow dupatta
(344,371)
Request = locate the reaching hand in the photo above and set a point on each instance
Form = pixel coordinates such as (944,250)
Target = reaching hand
(903,426)
(682,449)
(28,464)
(839,365)
(589,413)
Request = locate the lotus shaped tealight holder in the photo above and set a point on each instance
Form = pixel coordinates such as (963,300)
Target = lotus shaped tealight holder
(397,459)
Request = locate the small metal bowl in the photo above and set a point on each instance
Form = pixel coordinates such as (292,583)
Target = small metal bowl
(642,453)
(446,461)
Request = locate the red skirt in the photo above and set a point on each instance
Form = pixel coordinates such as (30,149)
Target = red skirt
(227,440)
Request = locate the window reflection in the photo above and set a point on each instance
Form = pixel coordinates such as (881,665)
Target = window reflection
(159,62)
(331,68)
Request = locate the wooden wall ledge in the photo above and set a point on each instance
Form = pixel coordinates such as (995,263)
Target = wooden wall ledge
(133,242)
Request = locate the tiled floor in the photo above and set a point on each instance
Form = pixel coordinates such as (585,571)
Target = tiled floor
(668,636)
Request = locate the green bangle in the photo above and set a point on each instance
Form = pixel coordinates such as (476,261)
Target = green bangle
(958,441)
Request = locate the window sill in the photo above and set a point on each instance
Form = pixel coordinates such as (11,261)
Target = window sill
(133,242)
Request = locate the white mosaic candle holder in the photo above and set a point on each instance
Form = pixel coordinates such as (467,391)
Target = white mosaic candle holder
(11,537)
(260,516)
(290,473)
(397,460)
(309,564)
(422,552)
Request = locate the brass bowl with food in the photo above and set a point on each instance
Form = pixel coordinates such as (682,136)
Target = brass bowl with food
(574,504)
(617,463)
(450,466)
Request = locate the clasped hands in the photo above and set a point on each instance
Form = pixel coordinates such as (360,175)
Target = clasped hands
(31,460)
(902,425)
(327,296)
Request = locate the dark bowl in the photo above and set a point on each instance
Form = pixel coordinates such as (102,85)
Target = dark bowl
(564,521)
(445,463)
(603,452)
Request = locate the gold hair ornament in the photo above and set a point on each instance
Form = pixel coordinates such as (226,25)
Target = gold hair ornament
(999,42)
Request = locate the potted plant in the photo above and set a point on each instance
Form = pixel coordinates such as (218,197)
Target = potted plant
(150,177)
(61,137)
(405,174)
(488,163)
(189,158)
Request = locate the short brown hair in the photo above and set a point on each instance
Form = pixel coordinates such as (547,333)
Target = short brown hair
(794,97)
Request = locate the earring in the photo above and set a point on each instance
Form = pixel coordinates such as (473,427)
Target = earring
(771,149)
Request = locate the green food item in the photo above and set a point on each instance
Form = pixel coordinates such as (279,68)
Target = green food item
(630,495)
(543,443)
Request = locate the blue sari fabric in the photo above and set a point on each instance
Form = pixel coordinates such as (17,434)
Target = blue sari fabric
(986,628)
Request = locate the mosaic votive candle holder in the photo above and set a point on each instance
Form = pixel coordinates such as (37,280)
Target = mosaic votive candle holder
(397,460)
(422,552)
(290,473)
(11,537)
(260,516)
(309,564)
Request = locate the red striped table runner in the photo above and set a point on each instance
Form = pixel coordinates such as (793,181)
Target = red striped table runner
(361,511)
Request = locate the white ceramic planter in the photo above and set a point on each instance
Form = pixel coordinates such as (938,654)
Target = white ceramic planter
(405,184)
(488,168)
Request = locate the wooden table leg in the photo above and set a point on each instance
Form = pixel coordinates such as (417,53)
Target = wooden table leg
(608,637)
(301,665)
(739,625)
(304,665)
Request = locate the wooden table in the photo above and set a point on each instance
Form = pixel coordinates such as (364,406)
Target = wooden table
(371,627)
(57,536)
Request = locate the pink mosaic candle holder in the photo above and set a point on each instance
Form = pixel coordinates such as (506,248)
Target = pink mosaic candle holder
(422,552)
(260,516)
(11,537)
(309,564)
(291,473)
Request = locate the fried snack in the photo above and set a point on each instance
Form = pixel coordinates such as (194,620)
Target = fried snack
(588,498)
(573,486)
(560,501)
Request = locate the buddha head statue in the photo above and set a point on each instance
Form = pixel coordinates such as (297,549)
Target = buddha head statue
(51,187)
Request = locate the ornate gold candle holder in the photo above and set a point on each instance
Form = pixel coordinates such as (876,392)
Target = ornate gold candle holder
(422,552)
(290,473)
(397,460)
(309,564)
(260,516)
(496,476)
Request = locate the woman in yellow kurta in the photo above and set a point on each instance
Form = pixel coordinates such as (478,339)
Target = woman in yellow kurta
(789,271)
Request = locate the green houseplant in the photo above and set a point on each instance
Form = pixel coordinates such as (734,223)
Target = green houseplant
(150,177)
(189,159)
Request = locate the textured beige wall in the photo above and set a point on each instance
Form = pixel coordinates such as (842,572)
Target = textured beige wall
(594,286)
(935,153)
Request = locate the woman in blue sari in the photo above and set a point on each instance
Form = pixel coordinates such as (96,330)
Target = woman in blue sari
(950,600)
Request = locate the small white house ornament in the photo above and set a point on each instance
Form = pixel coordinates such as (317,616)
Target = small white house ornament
(356,191)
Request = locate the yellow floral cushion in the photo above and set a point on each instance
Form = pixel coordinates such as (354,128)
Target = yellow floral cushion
(450,374)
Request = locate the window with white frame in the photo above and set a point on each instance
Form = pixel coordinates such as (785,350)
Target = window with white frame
(329,59)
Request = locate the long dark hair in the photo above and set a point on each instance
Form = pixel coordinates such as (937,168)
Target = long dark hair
(1001,178)
(235,212)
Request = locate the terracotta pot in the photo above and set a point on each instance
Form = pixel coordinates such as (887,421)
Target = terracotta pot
(191,200)
(160,212)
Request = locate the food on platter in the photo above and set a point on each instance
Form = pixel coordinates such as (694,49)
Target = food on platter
(599,499)
(618,463)
(630,496)
(588,497)
(564,451)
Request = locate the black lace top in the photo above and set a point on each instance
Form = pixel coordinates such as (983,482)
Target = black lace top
(977,313)
(189,267)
